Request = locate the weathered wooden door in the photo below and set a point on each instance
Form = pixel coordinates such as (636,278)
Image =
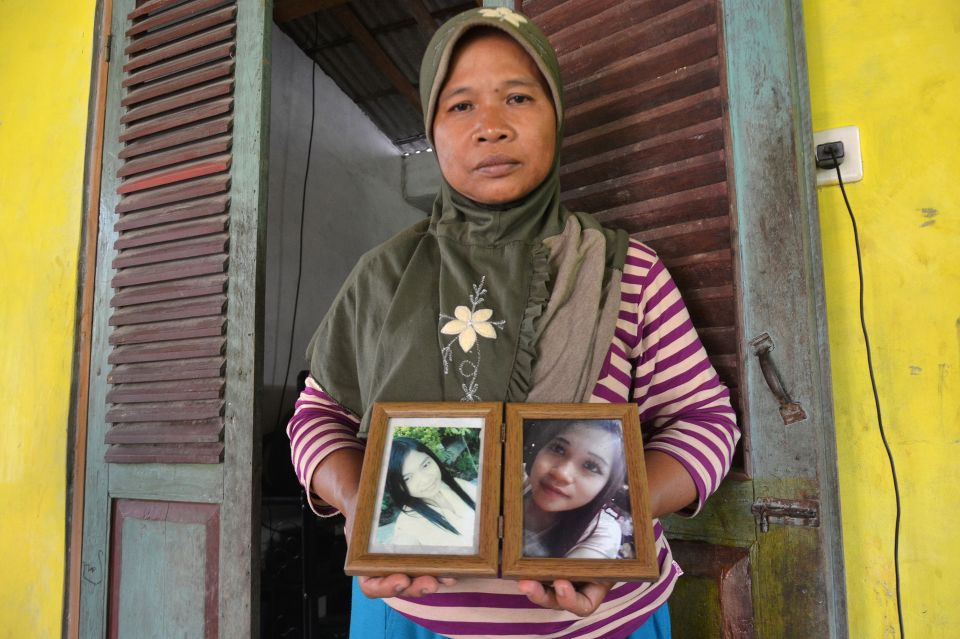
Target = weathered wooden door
(688,125)
(171,508)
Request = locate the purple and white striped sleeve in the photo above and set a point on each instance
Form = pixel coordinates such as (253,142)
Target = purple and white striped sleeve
(319,426)
(680,395)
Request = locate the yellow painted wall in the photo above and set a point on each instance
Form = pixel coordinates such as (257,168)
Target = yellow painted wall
(890,67)
(44,87)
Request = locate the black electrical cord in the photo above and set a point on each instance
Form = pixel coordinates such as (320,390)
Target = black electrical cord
(303,209)
(876,395)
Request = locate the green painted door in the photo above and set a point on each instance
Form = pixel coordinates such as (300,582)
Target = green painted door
(687,125)
(171,494)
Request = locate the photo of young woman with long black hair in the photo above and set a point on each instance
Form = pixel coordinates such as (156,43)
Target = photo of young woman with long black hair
(429,505)
(574,502)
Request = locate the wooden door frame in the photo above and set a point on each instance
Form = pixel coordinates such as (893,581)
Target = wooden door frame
(769,95)
(87,270)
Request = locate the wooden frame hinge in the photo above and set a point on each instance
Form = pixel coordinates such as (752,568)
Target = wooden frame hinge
(500,527)
(109,46)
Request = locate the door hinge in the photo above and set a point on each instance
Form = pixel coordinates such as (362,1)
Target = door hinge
(786,512)
(109,46)
(500,527)
(503,433)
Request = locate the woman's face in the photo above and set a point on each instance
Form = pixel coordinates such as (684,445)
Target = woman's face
(421,475)
(495,125)
(572,468)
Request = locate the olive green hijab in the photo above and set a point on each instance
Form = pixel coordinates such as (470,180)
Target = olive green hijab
(462,306)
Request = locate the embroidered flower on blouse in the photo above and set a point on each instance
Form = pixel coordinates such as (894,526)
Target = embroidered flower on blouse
(470,324)
(466,324)
(504,14)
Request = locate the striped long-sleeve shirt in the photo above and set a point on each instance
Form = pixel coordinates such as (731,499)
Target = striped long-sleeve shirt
(655,359)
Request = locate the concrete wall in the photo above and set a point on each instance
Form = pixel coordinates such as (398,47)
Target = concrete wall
(44,84)
(891,68)
(354,202)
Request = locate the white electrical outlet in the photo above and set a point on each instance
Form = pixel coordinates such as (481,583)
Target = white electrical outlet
(852,168)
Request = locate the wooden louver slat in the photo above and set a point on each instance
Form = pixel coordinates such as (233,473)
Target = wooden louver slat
(646,144)
(192,287)
(195,368)
(182,46)
(159,311)
(168,344)
(156,39)
(176,83)
(200,430)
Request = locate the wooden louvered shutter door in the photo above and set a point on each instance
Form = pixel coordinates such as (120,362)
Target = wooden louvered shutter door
(171,483)
(172,247)
(684,126)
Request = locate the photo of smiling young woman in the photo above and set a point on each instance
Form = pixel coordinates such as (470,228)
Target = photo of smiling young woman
(576,501)
(428,494)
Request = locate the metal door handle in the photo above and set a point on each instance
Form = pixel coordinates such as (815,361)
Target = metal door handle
(791,411)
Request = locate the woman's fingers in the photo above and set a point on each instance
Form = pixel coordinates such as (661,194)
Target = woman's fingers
(582,600)
(420,586)
(398,585)
(537,593)
(380,587)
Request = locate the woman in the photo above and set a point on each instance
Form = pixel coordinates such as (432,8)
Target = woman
(504,295)
(436,509)
(574,470)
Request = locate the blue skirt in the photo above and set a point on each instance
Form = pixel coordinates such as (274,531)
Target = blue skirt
(373,619)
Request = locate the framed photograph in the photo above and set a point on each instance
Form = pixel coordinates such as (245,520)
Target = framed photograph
(429,499)
(575,498)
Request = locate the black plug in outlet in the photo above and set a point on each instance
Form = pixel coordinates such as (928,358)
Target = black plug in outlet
(829,155)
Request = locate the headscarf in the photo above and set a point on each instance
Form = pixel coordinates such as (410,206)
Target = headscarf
(479,302)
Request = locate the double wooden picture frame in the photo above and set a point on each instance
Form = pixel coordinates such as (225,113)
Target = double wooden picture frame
(521,491)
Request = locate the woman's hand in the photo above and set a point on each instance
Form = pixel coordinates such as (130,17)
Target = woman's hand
(398,585)
(581,600)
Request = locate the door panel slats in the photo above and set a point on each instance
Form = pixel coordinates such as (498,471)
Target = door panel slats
(182,46)
(190,61)
(200,431)
(182,29)
(177,213)
(156,372)
(644,66)
(165,351)
(176,83)
(160,311)
(167,271)
(184,98)
(169,330)
(179,12)
(190,453)
(177,119)
(193,287)
(174,231)
(168,342)
(168,391)
(172,194)
(186,171)
(646,143)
